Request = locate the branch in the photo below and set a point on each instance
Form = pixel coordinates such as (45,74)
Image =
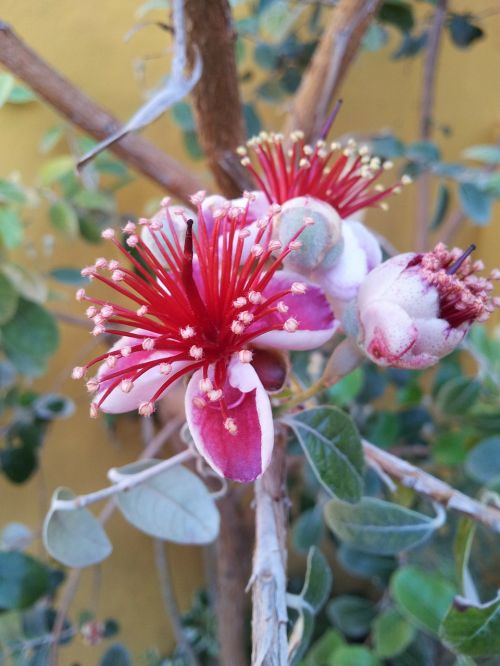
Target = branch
(428,485)
(268,581)
(217,102)
(426,120)
(81,111)
(332,58)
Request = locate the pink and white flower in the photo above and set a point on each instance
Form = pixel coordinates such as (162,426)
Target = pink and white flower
(416,308)
(197,309)
(343,181)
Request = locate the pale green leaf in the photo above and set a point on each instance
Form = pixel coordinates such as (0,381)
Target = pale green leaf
(377,526)
(28,283)
(74,537)
(55,169)
(392,633)
(11,228)
(173,505)
(7,83)
(472,629)
(483,462)
(64,219)
(50,139)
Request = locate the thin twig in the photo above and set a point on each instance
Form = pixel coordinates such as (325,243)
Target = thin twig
(170,603)
(332,58)
(427,120)
(426,484)
(268,581)
(73,579)
(81,111)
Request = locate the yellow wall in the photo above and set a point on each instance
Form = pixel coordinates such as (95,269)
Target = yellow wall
(84,40)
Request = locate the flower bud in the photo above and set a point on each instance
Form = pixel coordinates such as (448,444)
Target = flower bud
(321,241)
(416,308)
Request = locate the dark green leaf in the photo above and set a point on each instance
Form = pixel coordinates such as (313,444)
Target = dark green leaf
(271,91)
(423,151)
(18,463)
(471,629)
(192,145)
(70,276)
(318,581)
(391,633)
(442,205)
(355,655)
(483,462)
(308,530)
(52,406)
(30,337)
(74,537)
(333,448)
(380,527)
(398,14)
(458,395)
(23,580)
(252,120)
(90,230)
(266,56)
(366,565)
(116,655)
(424,597)
(475,203)
(183,116)
(410,46)
(8,300)
(463,31)
(352,615)
(323,650)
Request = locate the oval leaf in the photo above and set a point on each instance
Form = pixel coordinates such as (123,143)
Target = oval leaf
(64,219)
(23,580)
(75,538)
(332,445)
(483,462)
(8,300)
(380,527)
(422,596)
(472,629)
(174,505)
(352,615)
(318,581)
(391,633)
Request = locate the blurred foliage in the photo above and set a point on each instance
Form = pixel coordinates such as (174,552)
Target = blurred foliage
(386,599)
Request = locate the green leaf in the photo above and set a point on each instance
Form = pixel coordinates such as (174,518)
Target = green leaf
(333,447)
(23,580)
(277,19)
(116,655)
(11,228)
(50,139)
(192,145)
(355,655)
(483,462)
(94,200)
(21,95)
(74,537)
(461,550)
(69,276)
(484,153)
(442,205)
(347,389)
(63,218)
(323,650)
(380,527)
(387,146)
(308,530)
(423,151)
(463,31)
(375,38)
(55,169)
(422,596)
(252,120)
(30,337)
(391,633)
(398,14)
(475,203)
(18,462)
(472,629)
(318,580)
(366,565)
(11,192)
(52,406)
(7,83)
(352,615)
(410,46)
(266,56)
(458,395)
(173,505)
(300,636)
(28,284)
(8,300)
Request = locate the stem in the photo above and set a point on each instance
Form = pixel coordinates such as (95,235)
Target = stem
(170,603)
(268,581)
(122,483)
(216,97)
(81,111)
(426,120)
(426,484)
(73,579)
(332,58)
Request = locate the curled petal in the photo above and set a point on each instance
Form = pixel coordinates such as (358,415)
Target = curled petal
(244,454)
(315,317)
(387,333)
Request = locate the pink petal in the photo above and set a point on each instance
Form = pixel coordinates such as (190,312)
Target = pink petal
(316,319)
(144,387)
(387,332)
(437,338)
(245,455)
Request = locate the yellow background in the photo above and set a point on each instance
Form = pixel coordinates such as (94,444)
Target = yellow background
(84,40)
